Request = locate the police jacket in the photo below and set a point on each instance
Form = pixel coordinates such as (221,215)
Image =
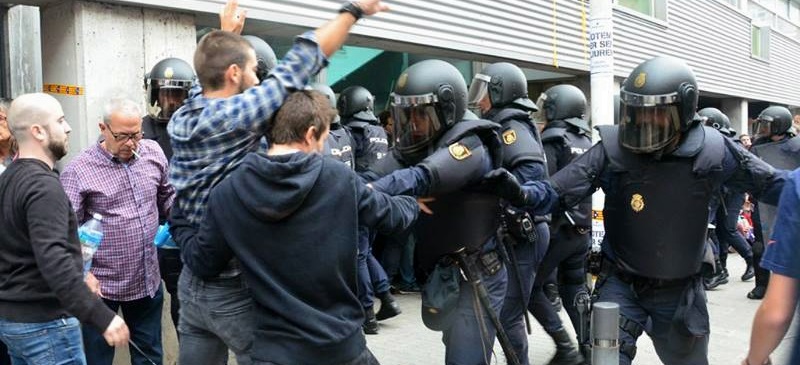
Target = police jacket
(464,215)
(656,210)
(339,145)
(562,144)
(523,154)
(157,130)
(369,142)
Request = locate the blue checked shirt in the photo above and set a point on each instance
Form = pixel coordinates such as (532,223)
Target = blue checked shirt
(210,137)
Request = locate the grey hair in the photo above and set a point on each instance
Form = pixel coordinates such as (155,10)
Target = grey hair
(5,104)
(120,105)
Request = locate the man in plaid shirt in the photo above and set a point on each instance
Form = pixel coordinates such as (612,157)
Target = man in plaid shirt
(210,135)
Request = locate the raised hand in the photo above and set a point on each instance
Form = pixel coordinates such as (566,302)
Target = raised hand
(231,18)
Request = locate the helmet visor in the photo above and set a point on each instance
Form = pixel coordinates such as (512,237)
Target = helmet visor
(416,122)
(478,90)
(763,127)
(170,98)
(645,129)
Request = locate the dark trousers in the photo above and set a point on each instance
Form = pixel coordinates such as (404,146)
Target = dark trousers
(528,256)
(762,275)
(727,234)
(4,358)
(371,276)
(465,342)
(567,252)
(658,305)
(170,265)
(366,358)
(143,317)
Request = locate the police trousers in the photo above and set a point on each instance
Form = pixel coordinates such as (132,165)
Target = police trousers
(679,329)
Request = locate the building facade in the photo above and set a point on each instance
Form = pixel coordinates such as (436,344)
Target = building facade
(744,52)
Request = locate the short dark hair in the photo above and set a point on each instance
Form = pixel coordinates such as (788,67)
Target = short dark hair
(215,53)
(302,110)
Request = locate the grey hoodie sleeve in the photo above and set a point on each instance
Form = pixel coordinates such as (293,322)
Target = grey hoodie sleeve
(385,213)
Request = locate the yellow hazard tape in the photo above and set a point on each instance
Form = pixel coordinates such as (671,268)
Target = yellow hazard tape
(64,89)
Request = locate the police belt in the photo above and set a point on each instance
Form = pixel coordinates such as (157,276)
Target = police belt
(610,268)
(489,262)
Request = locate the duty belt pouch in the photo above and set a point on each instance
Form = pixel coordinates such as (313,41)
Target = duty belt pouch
(440,296)
(490,263)
(691,315)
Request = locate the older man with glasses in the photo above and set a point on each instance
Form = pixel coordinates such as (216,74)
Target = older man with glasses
(124,178)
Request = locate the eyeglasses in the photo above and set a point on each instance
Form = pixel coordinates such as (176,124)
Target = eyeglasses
(124,137)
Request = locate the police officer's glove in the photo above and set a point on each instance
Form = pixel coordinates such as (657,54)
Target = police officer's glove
(503,184)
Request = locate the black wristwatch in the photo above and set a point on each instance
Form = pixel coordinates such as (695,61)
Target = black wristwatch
(352,8)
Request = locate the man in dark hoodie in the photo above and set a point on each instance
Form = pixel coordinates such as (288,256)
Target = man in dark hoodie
(270,214)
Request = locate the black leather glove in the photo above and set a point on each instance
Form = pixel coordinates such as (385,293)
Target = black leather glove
(503,184)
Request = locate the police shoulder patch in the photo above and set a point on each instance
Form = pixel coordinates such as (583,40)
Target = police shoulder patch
(509,136)
(459,151)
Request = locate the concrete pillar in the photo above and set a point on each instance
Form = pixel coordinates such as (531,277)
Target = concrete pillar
(24,50)
(105,50)
(736,110)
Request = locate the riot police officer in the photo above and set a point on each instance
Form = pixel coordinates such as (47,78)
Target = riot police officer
(339,144)
(167,86)
(777,144)
(370,144)
(355,107)
(449,156)
(566,136)
(727,210)
(500,94)
(653,246)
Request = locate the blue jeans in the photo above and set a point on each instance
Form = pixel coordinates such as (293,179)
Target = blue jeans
(215,315)
(655,308)
(55,342)
(143,317)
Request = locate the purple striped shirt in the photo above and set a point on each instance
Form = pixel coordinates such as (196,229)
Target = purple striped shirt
(132,197)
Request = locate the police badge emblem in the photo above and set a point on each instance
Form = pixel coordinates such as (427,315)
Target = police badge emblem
(509,136)
(169,72)
(459,151)
(637,203)
(640,80)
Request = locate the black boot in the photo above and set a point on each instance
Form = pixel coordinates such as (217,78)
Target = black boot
(749,272)
(370,325)
(389,307)
(586,352)
(757,292)
(566,353)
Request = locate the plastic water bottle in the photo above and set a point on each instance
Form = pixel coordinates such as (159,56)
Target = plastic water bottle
(163,238)
(90,235)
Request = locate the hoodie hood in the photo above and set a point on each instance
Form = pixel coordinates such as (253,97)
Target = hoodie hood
(287,178)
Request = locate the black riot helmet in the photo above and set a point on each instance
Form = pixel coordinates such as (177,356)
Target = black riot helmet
(328,92)
(358,103)
(428,98)
(265,56)
(716,119)
(168,85)
(506,85)
(565,102)
(774,121)
(659,99)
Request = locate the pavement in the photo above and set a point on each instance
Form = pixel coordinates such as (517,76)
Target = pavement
(404,340)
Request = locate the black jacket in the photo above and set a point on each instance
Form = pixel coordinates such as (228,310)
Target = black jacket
(41,270)
(292,222)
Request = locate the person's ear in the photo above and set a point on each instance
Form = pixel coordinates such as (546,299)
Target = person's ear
(232,73)
(311,135)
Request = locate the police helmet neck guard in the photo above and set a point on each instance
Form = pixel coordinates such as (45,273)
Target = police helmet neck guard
(714,118)
(429,98)
(774,121)
(167,86)
(356,102)
(659,99)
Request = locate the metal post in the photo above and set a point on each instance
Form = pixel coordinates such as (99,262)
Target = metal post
(605,333)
